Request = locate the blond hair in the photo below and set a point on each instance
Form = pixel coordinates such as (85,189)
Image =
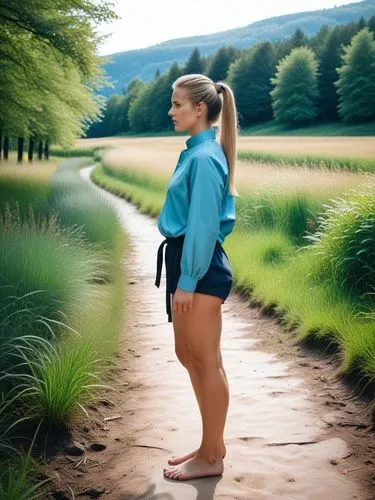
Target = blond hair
(203,89)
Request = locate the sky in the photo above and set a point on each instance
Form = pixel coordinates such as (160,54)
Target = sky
(148,22)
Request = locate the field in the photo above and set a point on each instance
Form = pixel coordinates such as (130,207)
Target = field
(282,208)
(354,147)
(159,155)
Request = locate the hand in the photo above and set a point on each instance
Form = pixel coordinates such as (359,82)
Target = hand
(182,301)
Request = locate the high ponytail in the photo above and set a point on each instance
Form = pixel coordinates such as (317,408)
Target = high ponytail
(203,89)
(228,132)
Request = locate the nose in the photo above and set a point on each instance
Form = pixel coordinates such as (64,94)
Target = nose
(170,112)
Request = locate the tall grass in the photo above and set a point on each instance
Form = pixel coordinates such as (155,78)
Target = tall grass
(61,296)
(148,201)
(280,244)
(60,379)
(345,243)
(310,161)
(17,477)
(21,193)
(292,213)
(76,204)
(39,255)
(74,152)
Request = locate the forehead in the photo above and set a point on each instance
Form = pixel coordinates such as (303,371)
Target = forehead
(180,94)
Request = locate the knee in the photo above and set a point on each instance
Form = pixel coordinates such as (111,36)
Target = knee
(203,362)
(183,356)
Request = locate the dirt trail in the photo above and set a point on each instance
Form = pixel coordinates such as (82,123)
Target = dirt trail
(280,394)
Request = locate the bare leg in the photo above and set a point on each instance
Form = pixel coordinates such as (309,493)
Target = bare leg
(183,354)
(201,330)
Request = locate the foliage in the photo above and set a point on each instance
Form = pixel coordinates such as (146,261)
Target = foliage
(295,93)
(356,84)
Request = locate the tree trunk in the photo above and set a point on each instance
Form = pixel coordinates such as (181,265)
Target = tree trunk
(1,143)
(46,150)
(6,147)
(20,149)
(31,149)
(40,150)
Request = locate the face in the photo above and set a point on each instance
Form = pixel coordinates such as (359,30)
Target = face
(185,114)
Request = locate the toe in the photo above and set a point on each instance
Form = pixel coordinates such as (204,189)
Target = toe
(170,472)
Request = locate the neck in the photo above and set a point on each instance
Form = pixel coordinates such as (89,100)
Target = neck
(199,127)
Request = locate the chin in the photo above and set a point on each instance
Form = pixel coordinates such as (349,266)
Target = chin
(179,128)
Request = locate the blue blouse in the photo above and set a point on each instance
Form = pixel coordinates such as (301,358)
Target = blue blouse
(198,205)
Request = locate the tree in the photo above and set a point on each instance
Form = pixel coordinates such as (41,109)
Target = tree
(371,25)
(318,42)
(285,46)
(161,100)
(298,39)
(329,61)
(140,109)
(356,83)
(50,69)
(194,63)
(64,26)
(219,66)
(295,93)
(250,79)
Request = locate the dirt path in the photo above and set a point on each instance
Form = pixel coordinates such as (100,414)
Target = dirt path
(280,394)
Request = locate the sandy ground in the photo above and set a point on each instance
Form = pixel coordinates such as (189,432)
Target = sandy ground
(355,147)
(292,429)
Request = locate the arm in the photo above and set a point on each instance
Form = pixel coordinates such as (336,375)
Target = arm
(207,183)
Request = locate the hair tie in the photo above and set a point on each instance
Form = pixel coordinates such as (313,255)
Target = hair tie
(218,88)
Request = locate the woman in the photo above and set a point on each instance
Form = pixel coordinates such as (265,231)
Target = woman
(198,213)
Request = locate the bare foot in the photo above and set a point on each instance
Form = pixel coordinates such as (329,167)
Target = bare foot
(180,460)
(193,468)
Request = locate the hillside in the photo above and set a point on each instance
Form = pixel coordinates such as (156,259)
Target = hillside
(143,63)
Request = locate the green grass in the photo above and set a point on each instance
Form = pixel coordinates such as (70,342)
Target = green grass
(61,296)
(288,284)
(17,477)
(148,201)
(345,243)
(273,128)
(21,193)
(310,161)
(284,276)
(325,129)
(61,378)
(40,255)
(73,152)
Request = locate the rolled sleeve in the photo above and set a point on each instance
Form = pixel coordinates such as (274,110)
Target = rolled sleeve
(207,183)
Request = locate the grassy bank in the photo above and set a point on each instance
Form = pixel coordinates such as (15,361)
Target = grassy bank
(275,232)
(62,295)
(333,129)
(310,161)
(326,129)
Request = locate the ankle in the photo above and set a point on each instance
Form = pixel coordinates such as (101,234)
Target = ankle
(211,455)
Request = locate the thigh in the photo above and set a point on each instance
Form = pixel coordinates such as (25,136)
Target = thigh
(200,328)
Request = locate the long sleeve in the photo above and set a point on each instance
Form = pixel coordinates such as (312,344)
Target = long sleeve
(207,184)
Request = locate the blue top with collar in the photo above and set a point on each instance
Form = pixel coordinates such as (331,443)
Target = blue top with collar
(198,205)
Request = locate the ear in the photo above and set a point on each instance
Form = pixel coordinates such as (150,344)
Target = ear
(201,108)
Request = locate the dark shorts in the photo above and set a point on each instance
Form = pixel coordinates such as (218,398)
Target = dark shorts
(217,281)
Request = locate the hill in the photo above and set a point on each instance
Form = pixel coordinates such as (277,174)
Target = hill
(143,63)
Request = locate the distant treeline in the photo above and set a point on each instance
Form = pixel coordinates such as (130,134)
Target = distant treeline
(299,80)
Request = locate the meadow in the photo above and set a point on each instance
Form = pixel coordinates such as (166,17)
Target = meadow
(61,295)
(304,242)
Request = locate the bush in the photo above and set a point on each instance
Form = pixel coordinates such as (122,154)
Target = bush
(345,243)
